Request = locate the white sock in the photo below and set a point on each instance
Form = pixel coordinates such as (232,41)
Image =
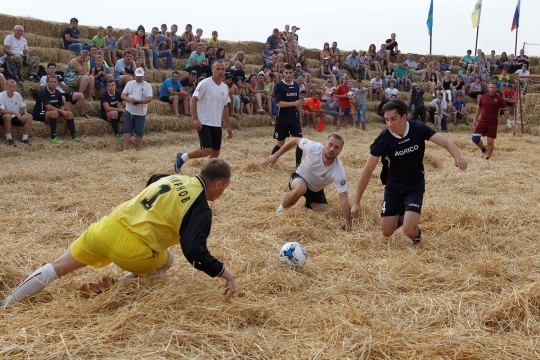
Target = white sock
(8,136)
(185,156)
(34,284)
(509,123)
(24,137)
(281,208)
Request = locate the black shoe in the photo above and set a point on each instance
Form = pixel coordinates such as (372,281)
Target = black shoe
(11,142)
(417,240)
(26,142)
(33,78)
(85,116)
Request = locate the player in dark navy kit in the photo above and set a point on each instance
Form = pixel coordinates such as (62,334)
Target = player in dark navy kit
(403,143)
(109,107)
(286,93)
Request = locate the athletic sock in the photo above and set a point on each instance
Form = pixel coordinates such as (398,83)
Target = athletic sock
(24,137)
(185,157)
(34,284)
(484,150)
(281,208)
(299,153)
(275,149)
(52,124)
(71,126)
(114,124)
(8,136)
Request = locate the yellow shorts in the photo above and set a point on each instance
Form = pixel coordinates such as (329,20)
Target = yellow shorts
(107,241)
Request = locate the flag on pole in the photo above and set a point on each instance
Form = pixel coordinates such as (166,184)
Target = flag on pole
(475,17)
(430,19)
(515,22)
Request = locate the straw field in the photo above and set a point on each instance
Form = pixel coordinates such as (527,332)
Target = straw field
(470,290)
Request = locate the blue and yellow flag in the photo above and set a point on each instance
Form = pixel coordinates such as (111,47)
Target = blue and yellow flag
(430,19)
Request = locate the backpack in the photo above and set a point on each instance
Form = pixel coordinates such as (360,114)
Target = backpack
(41,72)
(10,69)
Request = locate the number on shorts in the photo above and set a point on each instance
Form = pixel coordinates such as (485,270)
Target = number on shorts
(147,203)
(384,207)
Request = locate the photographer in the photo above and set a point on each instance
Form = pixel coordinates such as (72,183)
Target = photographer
(416,103)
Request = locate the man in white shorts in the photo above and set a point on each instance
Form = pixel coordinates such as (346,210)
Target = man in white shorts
(319,168)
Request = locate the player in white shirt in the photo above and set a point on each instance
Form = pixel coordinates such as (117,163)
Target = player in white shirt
(319,169)
(208,106)
(13,112)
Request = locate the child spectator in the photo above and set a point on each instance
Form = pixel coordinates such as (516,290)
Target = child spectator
(433,83)
(327,90)
(99,42)
(220,54)
(391,89)
(331,108)
(244,100)
(376,87)
(342,93)
(110,41)
(214,40)
(189,38)
(98,71)
(360,109)
(504,78)
(437,112)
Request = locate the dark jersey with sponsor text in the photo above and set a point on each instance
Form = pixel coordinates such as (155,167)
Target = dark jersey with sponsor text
(45,97)
(288,93)
(111,100)
(406,153)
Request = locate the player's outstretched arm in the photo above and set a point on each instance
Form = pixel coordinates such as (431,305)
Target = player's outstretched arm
(230,284)
(440,140)
(345,210)
(288,146)
(371,163)
(227,121)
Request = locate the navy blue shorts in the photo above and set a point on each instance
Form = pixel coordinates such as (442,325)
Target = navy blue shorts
(344,111)
(285,128)
(398,200)
(135,123)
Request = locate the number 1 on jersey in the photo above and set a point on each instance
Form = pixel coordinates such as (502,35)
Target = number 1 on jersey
(147,203)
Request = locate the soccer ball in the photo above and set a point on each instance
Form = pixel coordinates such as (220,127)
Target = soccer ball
(293,254)
(350,94)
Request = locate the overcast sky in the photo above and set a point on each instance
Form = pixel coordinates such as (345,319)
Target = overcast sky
(353,24)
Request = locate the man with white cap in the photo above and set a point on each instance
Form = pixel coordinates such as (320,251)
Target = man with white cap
(137,94)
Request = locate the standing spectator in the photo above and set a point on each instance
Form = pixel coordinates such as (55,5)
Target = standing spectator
(109,108)
(416,103)
(13,113)
(344,102)
(124,70)
(352,64)
(70,37)
(137,94)
(360,109)
(376,87)
(189,38)
(383,56)
(437,112)
(414,68)
(50,108)
(71,96)
(392,46)
(459,110)
(161,46)
(208,108)
(197,61)
(78,76)
(337,55)
(372,54)
(178,42)
(16,47)
(171,92)
(141,44)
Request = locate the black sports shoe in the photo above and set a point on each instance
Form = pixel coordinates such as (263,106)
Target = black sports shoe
(33,78)
(11,142)
(417,240)
(26,142)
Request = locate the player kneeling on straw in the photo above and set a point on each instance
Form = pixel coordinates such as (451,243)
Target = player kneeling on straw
(403,144)
(319,168)
(135,236)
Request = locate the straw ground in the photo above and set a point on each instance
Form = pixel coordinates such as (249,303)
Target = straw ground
(468,291)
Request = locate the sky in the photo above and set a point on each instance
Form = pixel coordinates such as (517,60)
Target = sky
(353,24)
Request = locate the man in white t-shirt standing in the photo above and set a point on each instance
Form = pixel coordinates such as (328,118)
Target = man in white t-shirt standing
(13,112)
(16,47)
(319,168)
(208,106)
(137,94)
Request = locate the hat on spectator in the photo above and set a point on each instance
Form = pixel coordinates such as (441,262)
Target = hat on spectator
(139,72)
(460,72)
(73,20)
(298,65)
(194,72)
(261,73)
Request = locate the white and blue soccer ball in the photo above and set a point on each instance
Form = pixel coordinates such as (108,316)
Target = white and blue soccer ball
(293,254)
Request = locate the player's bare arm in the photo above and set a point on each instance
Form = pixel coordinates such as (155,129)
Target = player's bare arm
(371,164)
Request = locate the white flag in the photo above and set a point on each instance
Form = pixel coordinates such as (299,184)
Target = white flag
(475,17)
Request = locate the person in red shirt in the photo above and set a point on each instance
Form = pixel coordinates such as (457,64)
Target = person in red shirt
(509,96)
(344,103)
(312,109)
(488,111)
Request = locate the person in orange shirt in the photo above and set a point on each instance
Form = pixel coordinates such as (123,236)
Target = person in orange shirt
(312,109)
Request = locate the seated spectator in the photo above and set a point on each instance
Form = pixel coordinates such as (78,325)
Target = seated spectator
(388,74)
(433,84)
(312,110)
(125,42)
(109,108)
(255,94)
(275,44)
(13,113)
(124,70)
(522,72)
(352,64)
(509,95)
(72,97)
(392,46)
(325,53)
(364,62)
(477,73)
(523,59)
(140,42)
(446,83)
(504,77)
(309,88)
(468,79)
(381,104)
(304,64)
(327,90)
(458,85)
(78,76)
(99,42)
(161,46)
(467,61)
(437,112)
(220,54)
(70,38)
(189,84)
(50,108)
(444,66)
(513,65)
(493,62)
(475,90)
(416,102)
(177,41)
(383,56)
(459,109)
(335,70)
(214,40)
(197,61)
(189,38)
(435,67)
(495,79)
(16,48)
(92,62)
(325,72)
(483,63)
(238,70)
(110,42)
(331,108)
(372,54)
(2,80)
(502,63)
(98,71)
(376,87)
(171,92)
(210,55)
(268,53)
(402,76)
(414,69)
(245,103)
(198,38)
(239,56)
(337,55)
(391,89)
